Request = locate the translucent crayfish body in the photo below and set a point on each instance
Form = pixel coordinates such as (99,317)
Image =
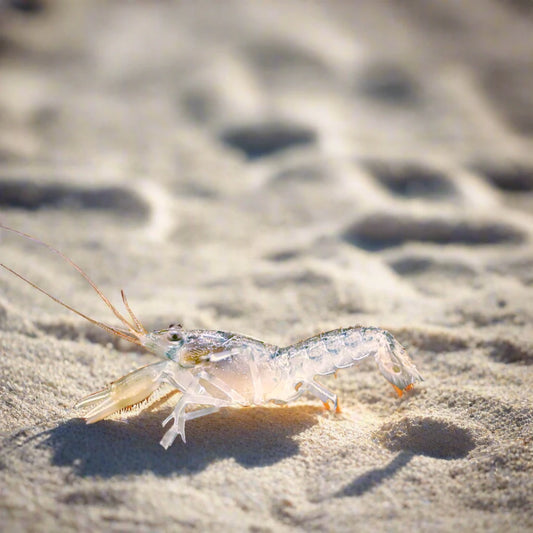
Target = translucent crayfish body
(215,369)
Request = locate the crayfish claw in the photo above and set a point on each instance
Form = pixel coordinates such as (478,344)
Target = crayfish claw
(125,392)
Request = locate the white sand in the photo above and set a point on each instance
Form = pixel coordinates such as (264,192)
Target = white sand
(275,169)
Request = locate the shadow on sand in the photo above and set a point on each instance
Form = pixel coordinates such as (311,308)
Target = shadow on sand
(375,477)
(254,437)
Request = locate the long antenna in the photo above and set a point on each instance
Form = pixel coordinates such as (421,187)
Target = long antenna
(139,329)
(136,321)
(109,329)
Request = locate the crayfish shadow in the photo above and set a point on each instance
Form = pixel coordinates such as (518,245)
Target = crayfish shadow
(254,437)
(375,477)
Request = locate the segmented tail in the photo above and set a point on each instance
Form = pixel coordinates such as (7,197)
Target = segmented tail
(341,348)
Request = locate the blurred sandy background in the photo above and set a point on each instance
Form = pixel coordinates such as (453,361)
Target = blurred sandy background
(274,168)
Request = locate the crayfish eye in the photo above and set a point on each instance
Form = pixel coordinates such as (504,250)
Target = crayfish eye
(174,337)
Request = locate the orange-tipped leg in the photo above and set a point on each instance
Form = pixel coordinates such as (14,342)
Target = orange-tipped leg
(400,392)
(327,407)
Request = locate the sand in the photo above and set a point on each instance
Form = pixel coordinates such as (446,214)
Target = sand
(275,169)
